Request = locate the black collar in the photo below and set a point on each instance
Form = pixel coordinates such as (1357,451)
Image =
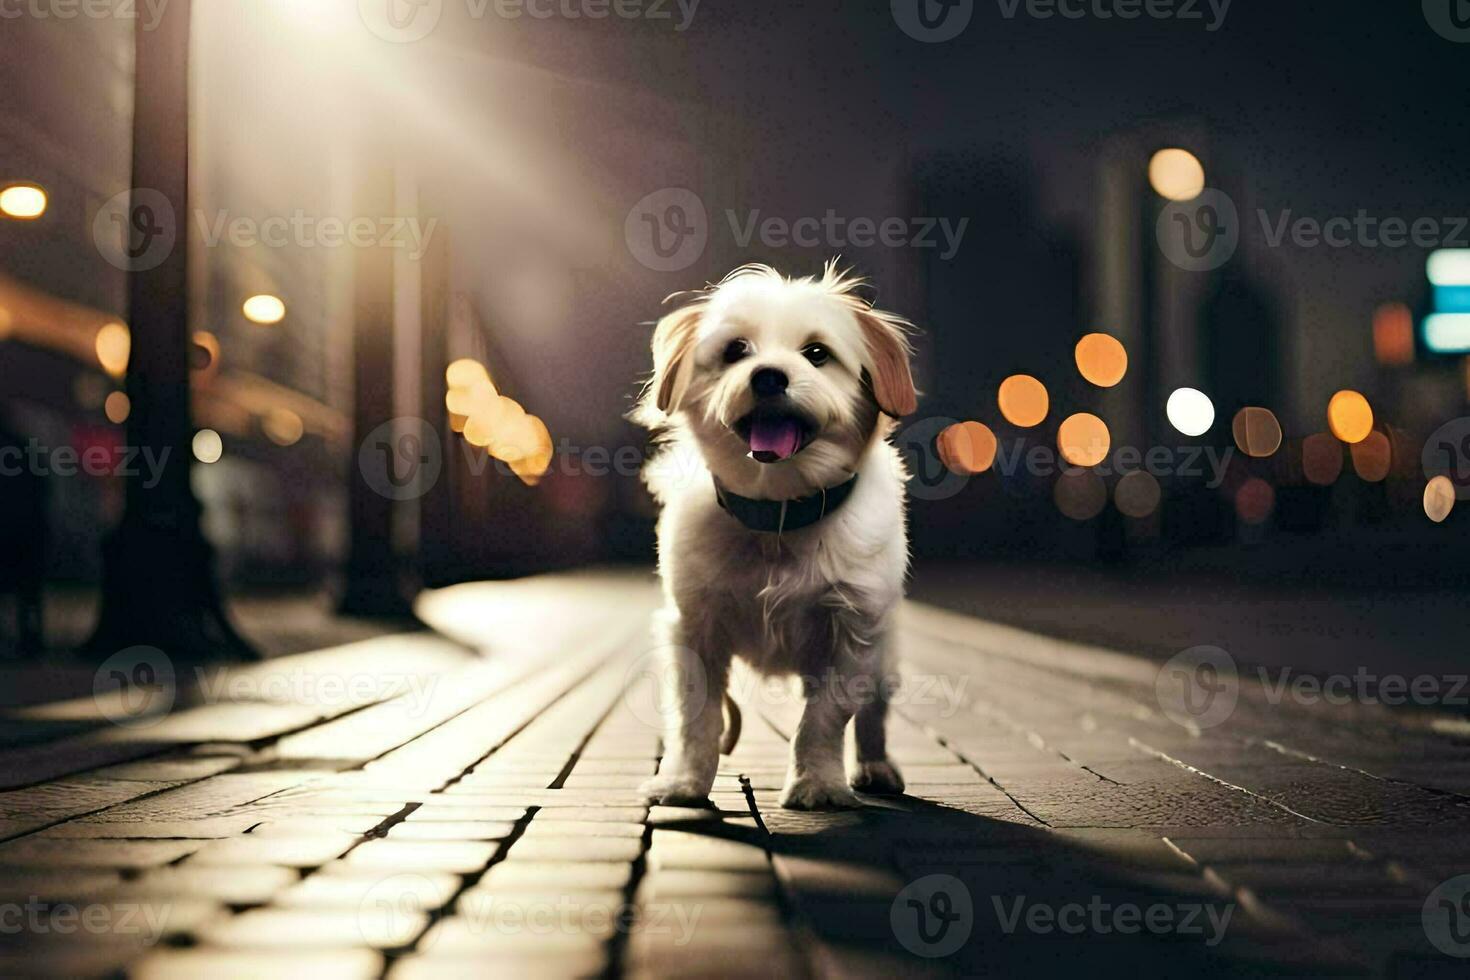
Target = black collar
(775,516)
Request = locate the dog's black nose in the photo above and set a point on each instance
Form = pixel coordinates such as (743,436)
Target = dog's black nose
(768,383)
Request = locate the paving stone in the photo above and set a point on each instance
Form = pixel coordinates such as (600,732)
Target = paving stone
(22,884)
(672,849)
(93,853)
(345,889)
(285,850)
(233,886)
(548,848)
(598,913)
(1217,850)
(471,830)
(378,926)
(666,885)
(440,965)
(355,824)
(459,857)
(551,826)
(349,963)
(456,935)
(541,875)
(436,811)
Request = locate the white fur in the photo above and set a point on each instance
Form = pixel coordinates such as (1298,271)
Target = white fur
(816,602)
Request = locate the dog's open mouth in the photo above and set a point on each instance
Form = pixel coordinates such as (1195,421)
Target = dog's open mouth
(774,435)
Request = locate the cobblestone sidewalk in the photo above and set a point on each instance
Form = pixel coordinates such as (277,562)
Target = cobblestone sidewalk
(398,807)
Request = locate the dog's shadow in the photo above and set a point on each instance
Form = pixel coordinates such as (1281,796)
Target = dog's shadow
(909,887)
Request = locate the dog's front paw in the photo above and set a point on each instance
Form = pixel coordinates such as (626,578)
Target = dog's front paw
(808,793)
(675,789)
(880,778)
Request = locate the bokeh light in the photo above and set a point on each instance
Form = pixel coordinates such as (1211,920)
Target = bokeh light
(264,309)
(1439,499)
(117,407)
(1137,494)
(1084,440)
(967,448)
(466,373)
(114,346)
(1023,400)
(208,446)
(204,354)
(1254,501)
(1321,459)
(1349,416)
(23,201)
(1190,411)
(1257,431)
(1176,175)
(1372,457)
(1080,494)
(283,427)
(1101,359)
(1393,334)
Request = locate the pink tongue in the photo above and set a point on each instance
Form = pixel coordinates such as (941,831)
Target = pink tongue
(781,437)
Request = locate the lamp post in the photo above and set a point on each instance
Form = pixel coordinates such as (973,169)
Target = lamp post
(158,582)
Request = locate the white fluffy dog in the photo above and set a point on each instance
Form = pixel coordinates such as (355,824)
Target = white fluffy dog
(782,537)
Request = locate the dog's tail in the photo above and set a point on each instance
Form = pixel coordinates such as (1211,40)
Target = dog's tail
(731,734)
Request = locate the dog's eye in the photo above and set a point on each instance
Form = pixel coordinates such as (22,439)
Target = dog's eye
(735,350)
(817,354)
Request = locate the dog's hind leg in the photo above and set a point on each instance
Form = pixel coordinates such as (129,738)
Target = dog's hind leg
(872,771)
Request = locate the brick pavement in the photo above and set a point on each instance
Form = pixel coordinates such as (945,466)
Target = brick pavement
(436,814)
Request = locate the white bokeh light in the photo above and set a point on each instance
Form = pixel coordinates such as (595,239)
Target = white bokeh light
(1191,411)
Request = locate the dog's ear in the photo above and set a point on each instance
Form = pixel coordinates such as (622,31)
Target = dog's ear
(888,348)
(673,346)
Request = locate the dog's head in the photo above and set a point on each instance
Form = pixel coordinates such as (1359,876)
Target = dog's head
(783,382)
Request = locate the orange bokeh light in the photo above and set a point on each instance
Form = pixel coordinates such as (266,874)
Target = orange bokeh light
(1023,400)
(1257,431)
(1101,359)
(1084,440)
(1393,334)
(1321,459)
(967,448)
(1350,416)
(1372,457)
